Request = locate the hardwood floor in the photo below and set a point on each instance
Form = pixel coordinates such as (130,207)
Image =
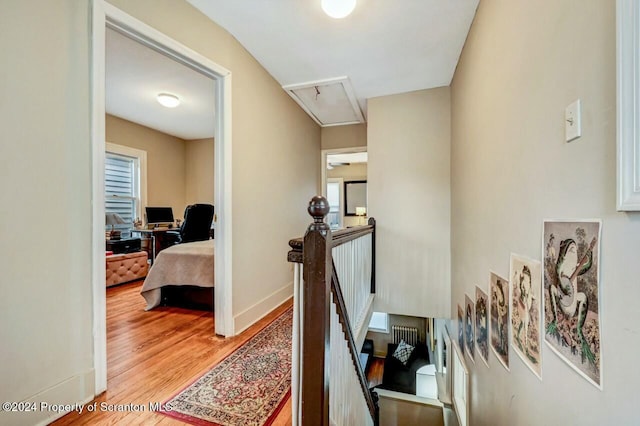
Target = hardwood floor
(153,355)
(376,370)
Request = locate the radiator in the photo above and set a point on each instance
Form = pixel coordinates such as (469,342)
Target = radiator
(408,334)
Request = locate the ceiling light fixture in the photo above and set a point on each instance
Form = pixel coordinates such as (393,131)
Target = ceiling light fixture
(338,8)
(168,100)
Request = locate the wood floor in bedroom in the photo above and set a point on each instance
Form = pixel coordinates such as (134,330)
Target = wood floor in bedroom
(153,355)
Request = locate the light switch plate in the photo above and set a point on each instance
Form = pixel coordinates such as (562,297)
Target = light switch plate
(572,124)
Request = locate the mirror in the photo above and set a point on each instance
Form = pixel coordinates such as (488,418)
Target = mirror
(355,198)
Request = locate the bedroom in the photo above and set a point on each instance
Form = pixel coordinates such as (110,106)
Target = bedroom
(166,153)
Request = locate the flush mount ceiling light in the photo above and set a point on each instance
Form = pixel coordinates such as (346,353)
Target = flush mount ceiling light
(338,8)
(168,100)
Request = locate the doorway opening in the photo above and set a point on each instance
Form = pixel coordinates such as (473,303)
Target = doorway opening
(344,184)
(106,16)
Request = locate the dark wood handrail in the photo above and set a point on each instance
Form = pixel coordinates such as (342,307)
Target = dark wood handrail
(337,238)
(319,281)
(372,222)
(295,254)
(349,234)
(341,309)
(297,244)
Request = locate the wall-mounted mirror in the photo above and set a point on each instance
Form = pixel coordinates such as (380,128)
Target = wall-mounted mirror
(355,198)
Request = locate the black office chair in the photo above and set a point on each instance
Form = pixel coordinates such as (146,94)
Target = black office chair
(196,225)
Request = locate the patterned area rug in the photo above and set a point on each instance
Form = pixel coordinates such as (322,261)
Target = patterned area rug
(249,387)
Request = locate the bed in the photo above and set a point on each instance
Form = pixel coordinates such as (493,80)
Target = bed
(181,270)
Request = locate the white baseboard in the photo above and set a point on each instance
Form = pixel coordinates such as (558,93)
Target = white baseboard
(251,315)
(53,403)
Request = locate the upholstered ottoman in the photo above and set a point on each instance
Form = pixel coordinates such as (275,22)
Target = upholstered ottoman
(122,268)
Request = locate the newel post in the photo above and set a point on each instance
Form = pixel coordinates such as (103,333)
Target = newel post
(316,260)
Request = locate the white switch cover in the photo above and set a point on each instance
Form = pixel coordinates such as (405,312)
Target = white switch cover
(572,125)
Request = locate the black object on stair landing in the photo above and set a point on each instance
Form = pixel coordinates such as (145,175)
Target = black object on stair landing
(399,377)
(366,355)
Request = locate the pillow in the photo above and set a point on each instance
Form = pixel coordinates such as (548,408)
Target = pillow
(403,352)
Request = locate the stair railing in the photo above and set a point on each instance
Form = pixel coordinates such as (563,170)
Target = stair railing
(334,283)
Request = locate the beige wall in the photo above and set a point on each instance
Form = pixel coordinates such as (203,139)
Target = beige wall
(382,340)
(166,160)
(276,158)
(199,176)
(408,194)
(353,221)
(46,304)
(522,64)
(179,172)
(45,217)
(336,137)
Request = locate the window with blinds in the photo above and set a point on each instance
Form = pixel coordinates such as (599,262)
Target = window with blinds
(122,192)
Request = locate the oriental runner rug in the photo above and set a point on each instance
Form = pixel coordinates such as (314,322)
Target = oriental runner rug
(248,387)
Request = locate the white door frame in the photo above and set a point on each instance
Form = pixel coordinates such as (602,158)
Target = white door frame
(339,181)
(105,15)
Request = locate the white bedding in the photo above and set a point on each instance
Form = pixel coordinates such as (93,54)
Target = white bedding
(182,264)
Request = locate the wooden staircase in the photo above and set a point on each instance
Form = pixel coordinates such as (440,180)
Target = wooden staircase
(334,282)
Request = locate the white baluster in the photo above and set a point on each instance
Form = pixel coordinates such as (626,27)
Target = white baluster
(353,268)
(347,404)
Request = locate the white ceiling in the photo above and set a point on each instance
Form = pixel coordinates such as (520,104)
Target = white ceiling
(135,74)
(384,47)
(350,157)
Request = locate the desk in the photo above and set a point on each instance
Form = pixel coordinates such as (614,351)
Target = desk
(125,245)
(158,237)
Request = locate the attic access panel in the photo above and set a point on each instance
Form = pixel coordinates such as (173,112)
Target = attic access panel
(328,102)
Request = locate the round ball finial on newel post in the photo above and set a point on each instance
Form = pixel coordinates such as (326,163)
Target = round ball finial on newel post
(318,209)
